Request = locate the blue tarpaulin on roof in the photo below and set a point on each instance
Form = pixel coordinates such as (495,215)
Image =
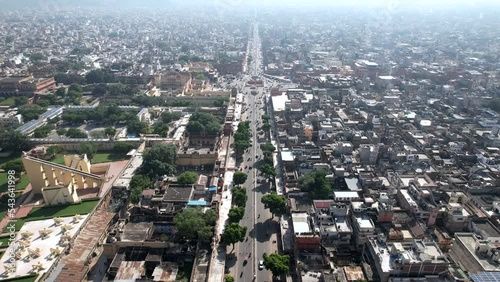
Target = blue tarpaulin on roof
(212,188)
(197,203)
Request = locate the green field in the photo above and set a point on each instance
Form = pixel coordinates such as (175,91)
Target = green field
(8,102)
(5,160)
(56,211)
(4,203)
(4,242)
(30,278)
(103,157)
(19,186)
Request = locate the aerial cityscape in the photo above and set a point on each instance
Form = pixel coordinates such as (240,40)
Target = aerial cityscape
(238,140)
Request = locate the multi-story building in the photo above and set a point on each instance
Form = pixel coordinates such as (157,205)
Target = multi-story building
(395,260)
(25,85)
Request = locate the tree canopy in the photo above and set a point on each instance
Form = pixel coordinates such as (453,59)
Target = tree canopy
(88,148)
(239,177)
(275,203)
(193,224)
(234,233)
(276,263)
(315,184)
(240,196)
(168,117)
(203,123)
(236,214)
(268,170)
(15,141)
(75,133)
(102,113)
(268,147)
(159,160)
(30,112)
(188,177)
(242,137)
(138,183)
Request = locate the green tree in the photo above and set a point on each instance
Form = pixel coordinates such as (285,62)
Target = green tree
(266,126)
(167,116)
(239,177)
(205,234)
(275,203)
(161,129)
(268,147)
(75,87)
(236,214)
(88,148)
(203,123)
(110,131)
(268,170)
(43,131)
(135,196)
(188,177)
(19,101)
(210,217)
(99,90)
(95,76)
(240,196)
(30,112)
(276,263)
(116,89)
(159,160)
(123,147)
(234,233)
(315,184)
(228,278)
(76,133)
(15,165)
(53,150)
(14,141)
(188,222)
(136,126)
(62,131)
(141,182)
(61,92)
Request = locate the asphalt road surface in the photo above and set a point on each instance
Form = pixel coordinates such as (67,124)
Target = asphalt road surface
(261,236)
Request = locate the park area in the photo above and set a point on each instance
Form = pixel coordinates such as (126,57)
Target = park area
(42,213)
(101,157)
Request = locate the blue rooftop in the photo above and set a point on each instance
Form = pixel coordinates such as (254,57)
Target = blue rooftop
(197,203)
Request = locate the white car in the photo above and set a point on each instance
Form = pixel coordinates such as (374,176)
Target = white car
(261,264)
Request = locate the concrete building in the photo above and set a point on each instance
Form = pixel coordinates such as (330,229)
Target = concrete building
(394,259)
(25,85)
(475,254)
(60,184)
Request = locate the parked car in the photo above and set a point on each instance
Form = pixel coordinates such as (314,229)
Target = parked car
(261,264)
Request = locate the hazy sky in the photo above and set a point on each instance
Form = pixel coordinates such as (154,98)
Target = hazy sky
(5,4)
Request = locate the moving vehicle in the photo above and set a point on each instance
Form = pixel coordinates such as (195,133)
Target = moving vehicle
(261,264)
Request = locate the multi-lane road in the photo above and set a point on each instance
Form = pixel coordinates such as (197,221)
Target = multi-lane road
(261,237)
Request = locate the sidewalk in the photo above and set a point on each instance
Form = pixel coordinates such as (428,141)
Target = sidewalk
(218,260)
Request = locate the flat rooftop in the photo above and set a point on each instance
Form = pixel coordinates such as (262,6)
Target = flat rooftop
(178,193)
(24,266)
(300,223)
(487,228)
(137,232)
(469,241)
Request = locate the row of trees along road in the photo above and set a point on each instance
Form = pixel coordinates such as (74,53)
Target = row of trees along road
(234,232)
(276,204)
(242,138)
